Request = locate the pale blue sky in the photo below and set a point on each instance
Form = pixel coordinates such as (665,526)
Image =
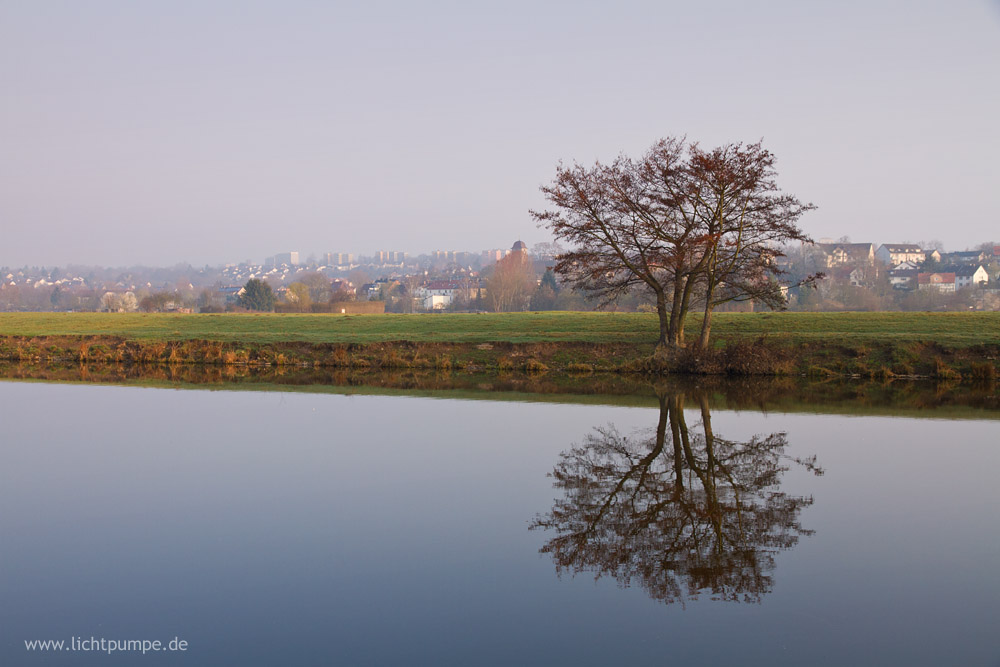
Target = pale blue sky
(159,132)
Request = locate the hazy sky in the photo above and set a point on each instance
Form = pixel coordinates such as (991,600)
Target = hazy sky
(160,132)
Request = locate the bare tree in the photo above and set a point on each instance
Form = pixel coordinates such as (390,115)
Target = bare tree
(680,222)
(746,220)
(343,293)
(298,297)
(624,230)
(511,284)
(157,302)
(319,286)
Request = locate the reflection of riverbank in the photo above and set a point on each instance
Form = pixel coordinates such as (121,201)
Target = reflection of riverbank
(681,511)
(788,394)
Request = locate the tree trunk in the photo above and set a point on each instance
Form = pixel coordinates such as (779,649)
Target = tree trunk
(706,328)
(676,333)
(665,321)
(689,284)
(706,322)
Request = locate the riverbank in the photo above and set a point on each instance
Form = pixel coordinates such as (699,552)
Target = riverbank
(872,345)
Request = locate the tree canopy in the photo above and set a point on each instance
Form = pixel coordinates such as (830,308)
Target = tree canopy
(688,225)
(257,295)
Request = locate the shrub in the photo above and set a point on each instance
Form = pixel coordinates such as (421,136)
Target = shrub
(580,368)
(340,357)
(757,357)
(983,372)
(903,369)
(943,371)
(535,366)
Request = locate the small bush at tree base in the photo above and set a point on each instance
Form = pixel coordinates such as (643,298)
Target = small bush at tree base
(983,372)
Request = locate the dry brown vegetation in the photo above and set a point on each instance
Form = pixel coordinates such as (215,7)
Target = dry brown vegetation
(736,357)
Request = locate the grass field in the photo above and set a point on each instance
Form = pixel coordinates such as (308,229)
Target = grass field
(951,329)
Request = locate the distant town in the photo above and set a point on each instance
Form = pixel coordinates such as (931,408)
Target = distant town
(857,276)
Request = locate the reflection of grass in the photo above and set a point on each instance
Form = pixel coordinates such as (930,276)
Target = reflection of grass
(788,395)
(952,329)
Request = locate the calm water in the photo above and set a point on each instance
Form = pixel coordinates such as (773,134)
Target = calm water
(268,528)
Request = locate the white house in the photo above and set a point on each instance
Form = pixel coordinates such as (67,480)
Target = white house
(892,254)
(438,294)
(902,278)
(859,277)
(436,301)
(969,276)
(841,254)
(907,266)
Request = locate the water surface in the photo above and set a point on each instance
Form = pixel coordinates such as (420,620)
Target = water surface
(293,528)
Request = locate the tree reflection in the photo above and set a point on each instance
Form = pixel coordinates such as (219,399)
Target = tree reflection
(678,511)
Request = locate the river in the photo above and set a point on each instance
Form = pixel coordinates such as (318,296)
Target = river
(666,526)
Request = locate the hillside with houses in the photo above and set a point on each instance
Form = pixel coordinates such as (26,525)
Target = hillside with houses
(894,276)
(855,276)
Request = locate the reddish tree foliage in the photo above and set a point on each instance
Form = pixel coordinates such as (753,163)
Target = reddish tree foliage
(686,224)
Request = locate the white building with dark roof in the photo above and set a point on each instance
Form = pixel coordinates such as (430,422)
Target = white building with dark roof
(841,254)
(967,275)
(892,254)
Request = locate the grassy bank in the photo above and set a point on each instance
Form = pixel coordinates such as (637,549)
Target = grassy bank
(881,345)
(951,329)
